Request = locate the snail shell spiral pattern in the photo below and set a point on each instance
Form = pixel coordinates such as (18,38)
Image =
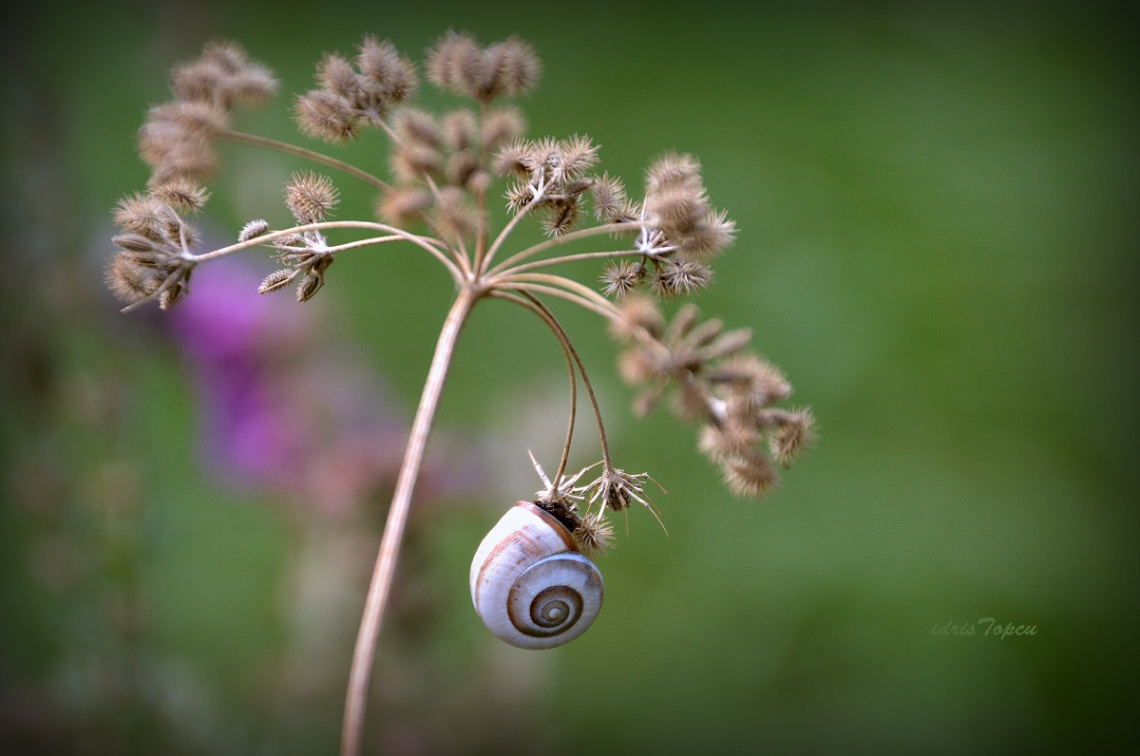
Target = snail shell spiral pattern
(529,583)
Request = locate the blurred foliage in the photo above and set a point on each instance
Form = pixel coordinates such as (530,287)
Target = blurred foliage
(938,234)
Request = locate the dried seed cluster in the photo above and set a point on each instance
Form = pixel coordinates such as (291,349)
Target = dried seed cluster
(728,391)
(153,258)
(352,95)
(177,139)
(550,178)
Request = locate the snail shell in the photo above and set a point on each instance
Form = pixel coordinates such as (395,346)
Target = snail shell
(529,583)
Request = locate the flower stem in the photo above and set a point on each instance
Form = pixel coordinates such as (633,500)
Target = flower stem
(378,591)
(318,157)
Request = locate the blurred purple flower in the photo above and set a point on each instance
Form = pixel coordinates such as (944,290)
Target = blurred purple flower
(284,406)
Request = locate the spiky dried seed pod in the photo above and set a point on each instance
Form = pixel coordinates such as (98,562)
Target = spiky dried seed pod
(576,155)
(460,129)
(753,377)
(793,436)
(417,127)
(608,195)
(311,197)
(519,68)
(277,279)
(385,76)
(461,166)
(729,440)
(336,74)
(707,237)
(561,217)
(253,229)
(128,281)
(511,159)
(594,533)
(622,277)
(453,63)
(326,115)
(749,475)
(222,75)
(175,140)
(671,170)
(182,194)
(681,277)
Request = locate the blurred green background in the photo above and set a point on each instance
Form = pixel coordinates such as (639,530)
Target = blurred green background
(938,225)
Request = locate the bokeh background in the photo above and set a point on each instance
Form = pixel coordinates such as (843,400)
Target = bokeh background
(938,234)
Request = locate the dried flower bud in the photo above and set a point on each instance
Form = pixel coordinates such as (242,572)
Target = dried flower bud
(707,236)
(129,281)
(576,156)
(671,170)
(561,217)
(751,376)
(175,140)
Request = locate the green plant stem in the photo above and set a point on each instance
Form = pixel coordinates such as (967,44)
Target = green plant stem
(378,590)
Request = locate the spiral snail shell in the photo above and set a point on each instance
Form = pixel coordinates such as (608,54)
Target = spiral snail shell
(529,583)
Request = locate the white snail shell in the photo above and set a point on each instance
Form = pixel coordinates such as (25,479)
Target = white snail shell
(530,584)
